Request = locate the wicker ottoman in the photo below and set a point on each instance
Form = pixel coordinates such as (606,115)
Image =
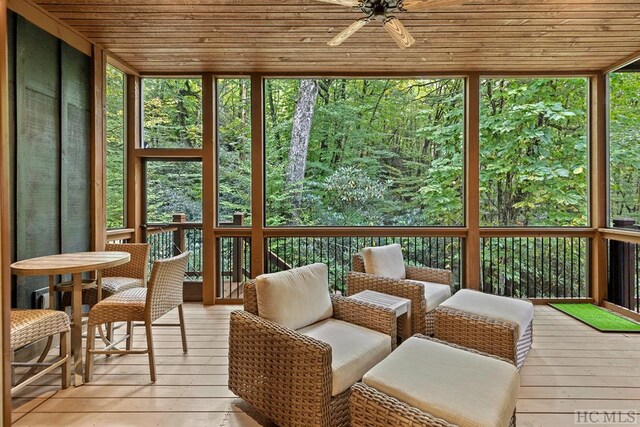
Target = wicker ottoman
(489,323)
(427,382)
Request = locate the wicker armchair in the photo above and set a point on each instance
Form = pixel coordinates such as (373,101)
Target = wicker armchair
(288,375)
(163,294)
(29,326)
(117,279)
(423,321)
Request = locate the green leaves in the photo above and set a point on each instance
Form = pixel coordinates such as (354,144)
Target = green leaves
(400,135)
(533,152)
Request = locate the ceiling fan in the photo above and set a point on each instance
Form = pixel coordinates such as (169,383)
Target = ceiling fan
(382,10)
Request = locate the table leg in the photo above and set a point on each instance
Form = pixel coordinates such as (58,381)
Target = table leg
(99,284)
(76,328)
(52,293)
(406,324)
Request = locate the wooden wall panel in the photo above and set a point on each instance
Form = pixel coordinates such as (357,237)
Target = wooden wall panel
(37,216)
(11,127)
(6,27)
(50,150)
(76,153)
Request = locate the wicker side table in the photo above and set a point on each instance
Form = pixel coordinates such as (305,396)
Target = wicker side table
(401,306)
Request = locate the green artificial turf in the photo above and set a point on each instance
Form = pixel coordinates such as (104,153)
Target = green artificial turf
(599,318)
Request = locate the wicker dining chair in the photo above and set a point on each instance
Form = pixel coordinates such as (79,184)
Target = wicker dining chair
(133,274)
(163,293)
(29,326)
(413,287)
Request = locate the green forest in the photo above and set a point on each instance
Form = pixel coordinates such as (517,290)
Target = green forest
(368,152)
(363,152)
(624,134)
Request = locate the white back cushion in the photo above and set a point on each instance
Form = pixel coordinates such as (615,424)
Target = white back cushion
(386,261)
(295,298)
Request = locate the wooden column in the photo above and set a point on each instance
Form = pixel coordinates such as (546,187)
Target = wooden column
(209,189)
(598,185)
(257,176)
(98,152)
(472,183)
(134,163)
(5,234)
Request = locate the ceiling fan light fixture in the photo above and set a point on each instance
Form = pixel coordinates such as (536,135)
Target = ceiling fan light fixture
(382,11)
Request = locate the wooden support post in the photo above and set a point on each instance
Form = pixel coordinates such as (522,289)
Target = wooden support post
(5,217)
(238,250)
(257,177)
(98,152)
(598,185)
(209,190)
(472,183)
(179,241)
(134,163)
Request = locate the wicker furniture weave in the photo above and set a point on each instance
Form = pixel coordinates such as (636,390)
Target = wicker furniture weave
(117,279)
(287,375)
(494,336)
(493,324)
(163,294)
(29,326)
(372,408)
(422,322)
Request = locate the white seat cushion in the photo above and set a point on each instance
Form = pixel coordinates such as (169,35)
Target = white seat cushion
(513,310)
(434,293)
(295,298)
(354,350)
(386,261)
(458,386)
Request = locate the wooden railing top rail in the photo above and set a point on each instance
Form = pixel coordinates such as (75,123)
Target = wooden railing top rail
(460,232)
(120,234)
(233,230)
(365,231)
(538,232)
(621,235)
(151,230)
(174,224)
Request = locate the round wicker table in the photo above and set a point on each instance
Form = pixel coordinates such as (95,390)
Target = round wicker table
(74,264)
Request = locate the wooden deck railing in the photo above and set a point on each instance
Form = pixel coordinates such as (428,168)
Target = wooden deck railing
(623,288)
(539,263)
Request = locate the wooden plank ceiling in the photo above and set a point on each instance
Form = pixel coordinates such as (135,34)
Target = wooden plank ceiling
(290,36)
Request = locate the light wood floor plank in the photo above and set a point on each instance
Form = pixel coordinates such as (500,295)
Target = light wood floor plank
(570,367)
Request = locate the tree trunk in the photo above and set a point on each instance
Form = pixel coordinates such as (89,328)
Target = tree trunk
(244,102)
(300,132)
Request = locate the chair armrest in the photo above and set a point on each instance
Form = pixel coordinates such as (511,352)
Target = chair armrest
(367,315)
(428,274)
(281,372)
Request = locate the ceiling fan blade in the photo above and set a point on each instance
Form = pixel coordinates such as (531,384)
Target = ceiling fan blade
(398,32)
(348,32)
(348,3)
(429,4)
